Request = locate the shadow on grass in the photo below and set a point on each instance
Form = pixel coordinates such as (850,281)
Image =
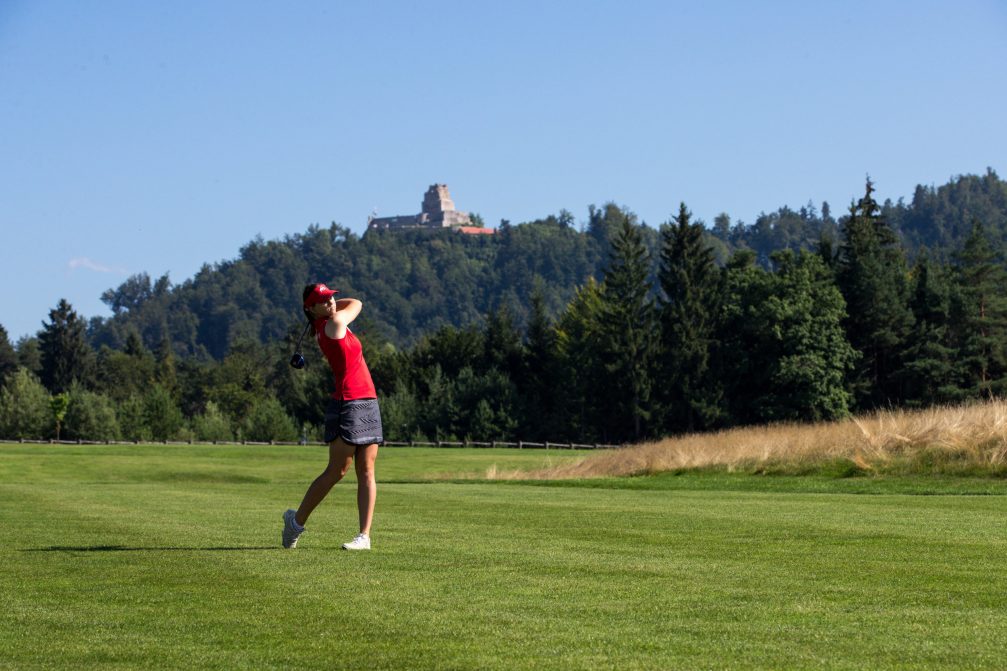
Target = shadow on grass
(124,548)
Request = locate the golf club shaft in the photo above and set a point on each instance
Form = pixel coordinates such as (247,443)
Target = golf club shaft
(303,333)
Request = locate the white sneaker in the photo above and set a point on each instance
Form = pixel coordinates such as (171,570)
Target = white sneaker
(290,533)
(361,542)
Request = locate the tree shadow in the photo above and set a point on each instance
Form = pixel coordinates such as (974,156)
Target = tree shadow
(124,548)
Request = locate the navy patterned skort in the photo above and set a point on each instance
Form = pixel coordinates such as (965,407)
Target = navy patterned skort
(357,422)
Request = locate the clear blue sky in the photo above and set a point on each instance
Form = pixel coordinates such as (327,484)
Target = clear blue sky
(155,137)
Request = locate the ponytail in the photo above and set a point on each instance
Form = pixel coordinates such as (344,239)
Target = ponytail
(308,288)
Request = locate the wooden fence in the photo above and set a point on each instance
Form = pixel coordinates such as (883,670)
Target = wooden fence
(520,445)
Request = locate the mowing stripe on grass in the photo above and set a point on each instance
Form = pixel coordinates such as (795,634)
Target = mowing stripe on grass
(102,568)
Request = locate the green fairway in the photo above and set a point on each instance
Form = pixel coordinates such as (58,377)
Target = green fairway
(168,557)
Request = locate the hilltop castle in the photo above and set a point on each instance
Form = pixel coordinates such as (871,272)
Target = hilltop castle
(437,211)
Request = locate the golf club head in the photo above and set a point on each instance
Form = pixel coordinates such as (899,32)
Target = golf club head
(297,361)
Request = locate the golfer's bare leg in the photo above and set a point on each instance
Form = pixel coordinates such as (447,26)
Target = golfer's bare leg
(340,456)
(367,487)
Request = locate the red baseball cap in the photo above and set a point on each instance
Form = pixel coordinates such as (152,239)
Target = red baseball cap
(319,294)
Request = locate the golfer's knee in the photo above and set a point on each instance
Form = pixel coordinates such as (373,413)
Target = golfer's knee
(365,471)
(335,473)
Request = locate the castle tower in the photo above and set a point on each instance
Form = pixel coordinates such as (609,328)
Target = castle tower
(437,200)
(437,211)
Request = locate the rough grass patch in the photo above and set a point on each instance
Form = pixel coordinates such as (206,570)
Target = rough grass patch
(968,439)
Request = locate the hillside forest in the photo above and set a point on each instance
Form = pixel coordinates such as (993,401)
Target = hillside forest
(607,330)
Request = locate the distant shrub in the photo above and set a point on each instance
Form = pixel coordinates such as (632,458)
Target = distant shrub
(186,434)
(161,414)
(269,421)
(212,425)
(314,433)
(132,420)
(90,416)
(24,407)
(400,415)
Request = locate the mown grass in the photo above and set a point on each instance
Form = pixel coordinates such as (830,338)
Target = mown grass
(155,557)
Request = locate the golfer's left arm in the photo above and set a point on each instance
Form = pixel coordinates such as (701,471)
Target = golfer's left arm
(347,310)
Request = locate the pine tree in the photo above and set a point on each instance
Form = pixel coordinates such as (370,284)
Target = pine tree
(628,334)
(743,361)
(871,274)
(134,345)
(160,414)
(689,393)
(980,315)
(167,375)
(929,370)
(66,356)
(8,357)
(123,374)
(131,414)
(581,379)
(540,366)
(501,343)
(28,355)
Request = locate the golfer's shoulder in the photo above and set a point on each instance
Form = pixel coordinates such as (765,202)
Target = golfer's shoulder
(334,330)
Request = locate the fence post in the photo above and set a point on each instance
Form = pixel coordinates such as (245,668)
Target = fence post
(520,444)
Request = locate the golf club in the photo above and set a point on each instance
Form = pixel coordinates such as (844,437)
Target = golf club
(297,361)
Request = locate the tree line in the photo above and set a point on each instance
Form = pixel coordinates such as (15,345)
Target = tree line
(674,333)
(415,282)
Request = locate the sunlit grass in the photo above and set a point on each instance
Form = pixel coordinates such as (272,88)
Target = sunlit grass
(966,439)
(168,557)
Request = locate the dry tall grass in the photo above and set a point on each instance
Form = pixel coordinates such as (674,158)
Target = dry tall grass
(961,439)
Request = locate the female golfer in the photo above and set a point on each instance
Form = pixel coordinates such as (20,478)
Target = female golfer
(352,419)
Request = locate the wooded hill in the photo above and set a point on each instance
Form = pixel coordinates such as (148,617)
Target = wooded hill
(413,282)
(545,332)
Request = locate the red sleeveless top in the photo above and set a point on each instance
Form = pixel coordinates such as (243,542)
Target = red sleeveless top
(346,359)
